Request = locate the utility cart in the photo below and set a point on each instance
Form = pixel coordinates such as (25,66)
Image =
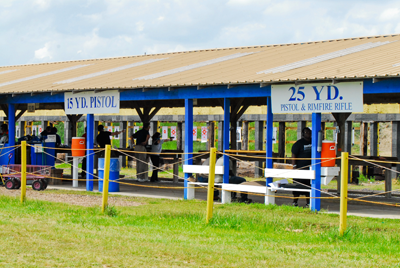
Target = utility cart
(11,176)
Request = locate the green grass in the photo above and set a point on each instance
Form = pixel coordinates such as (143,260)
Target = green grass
(165,233)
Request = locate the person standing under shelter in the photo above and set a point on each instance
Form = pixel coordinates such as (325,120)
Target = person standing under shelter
(301,159)
(142,138)
(4,134)
(156,149)
(58,138)
(104,137)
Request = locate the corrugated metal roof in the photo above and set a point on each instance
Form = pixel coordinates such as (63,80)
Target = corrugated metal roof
(376,56)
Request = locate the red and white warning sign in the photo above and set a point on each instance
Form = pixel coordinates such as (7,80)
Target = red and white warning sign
(164,133)
(204,132)
(173,133)
(194,133)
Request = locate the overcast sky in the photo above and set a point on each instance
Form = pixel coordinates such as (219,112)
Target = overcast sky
(36,31)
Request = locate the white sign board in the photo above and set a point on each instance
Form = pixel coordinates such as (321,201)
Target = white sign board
(194,133)
(274,134)
(92,103)
(173,133)
(164,132)
(116,129)
(204,132)
(239,134)
(317,98)
(35,131)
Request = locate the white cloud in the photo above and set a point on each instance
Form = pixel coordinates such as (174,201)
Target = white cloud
(44,30)
(140,26)
(245,2)
(389,14)
(43,53)
(42,4)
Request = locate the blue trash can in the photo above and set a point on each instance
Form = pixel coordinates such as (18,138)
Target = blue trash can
(44,158)
(114,175)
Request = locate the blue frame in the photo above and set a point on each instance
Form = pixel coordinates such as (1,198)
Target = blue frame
(316,163)
(90,156)
(188,140)
(227,120)
(188,93)
(269,133)
(11,130)
(390,85)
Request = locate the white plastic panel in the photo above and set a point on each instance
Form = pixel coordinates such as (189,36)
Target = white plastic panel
(325,57)
(42,75)
(200,169)
(109,71)
(290,173)
(193,66)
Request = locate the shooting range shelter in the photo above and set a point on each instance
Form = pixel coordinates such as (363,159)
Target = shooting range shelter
(232,78)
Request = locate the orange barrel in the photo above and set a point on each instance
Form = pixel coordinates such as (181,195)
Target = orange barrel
(328,151)
(78,147)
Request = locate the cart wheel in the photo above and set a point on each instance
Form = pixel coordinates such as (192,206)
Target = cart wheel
(10,184)
(17,183)
(37,185)
(44,184)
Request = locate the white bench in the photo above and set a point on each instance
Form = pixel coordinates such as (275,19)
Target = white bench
(327,173)
(200,169)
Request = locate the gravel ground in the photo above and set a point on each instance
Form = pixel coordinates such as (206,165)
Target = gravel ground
(73,199)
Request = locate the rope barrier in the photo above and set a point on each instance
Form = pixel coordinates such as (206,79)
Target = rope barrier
(277,158)
(303,168)
(198,154)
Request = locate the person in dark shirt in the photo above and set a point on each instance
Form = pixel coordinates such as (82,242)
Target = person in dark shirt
(58,138)
(104,136)
(142,138)
(44,133)
(301,150)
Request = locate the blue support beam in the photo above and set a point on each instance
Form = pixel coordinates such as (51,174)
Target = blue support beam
(269,133)
(227,120)
(316,163)
(188,140)
(11,129)
(89,153)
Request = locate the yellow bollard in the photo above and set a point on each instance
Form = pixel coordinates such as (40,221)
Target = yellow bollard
(23,171)
(210,191)
(343,192)
(106,177)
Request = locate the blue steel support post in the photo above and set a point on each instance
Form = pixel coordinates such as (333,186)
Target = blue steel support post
(227,120)
(11,129)
(89,152)
(188,139)
(316,163)
(269,133)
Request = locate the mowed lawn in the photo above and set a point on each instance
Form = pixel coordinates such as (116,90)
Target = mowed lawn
(169,233)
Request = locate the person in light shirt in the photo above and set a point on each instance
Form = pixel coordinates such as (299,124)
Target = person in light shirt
(156,148)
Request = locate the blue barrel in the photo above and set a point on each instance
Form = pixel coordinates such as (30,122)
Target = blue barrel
(114,175)
(5,153)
